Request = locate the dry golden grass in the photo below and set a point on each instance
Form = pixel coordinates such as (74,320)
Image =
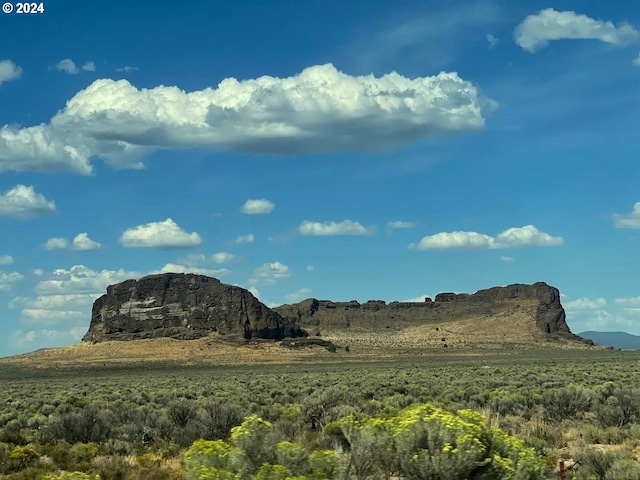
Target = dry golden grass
(510,327)
(210,350)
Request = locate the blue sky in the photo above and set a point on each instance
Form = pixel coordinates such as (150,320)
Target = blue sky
(337,150)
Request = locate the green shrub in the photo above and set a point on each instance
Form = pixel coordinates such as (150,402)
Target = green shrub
(325,464)
(208,459)
(5,450)
(620,408)
(596,462)
(252,446)
(217,420)
(566,403)
(84,452)
(111,468)
(12,433)
(209,454)
(293,456)
(427,442)
(90,424)
(149,460)
(181,412)
(273,472)
(23,456)
(623,469)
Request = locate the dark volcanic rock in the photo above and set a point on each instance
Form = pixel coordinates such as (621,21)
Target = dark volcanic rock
(183,306)
(549,314)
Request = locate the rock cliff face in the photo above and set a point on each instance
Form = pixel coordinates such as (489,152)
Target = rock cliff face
(183,306)
(187,306)
(535,308)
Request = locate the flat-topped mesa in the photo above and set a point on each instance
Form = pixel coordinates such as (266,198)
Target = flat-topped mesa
(183,306)
(540,300)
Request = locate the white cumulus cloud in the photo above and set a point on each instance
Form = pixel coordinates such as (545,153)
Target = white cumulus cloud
(69,66)
(222,257)
(126,69)
(549,24)
(319,110)
(298,295)
(80,279)
(80,243)
(255,292)
(527,236)
(245,238)
(585,304)
(628,302)
(400,224)
(418,299)
(453,240)
(24,202)
(269,273)
(628,220)
(54,302)
(346,227)
(165,234)
(636,61)
(8,279)
(258,207)
(66,297)
(179,268)
(45,338)
(56,243)
(42,317)
(9,71)
(6,259)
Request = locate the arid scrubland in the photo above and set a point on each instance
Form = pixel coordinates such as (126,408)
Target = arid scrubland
(581,406)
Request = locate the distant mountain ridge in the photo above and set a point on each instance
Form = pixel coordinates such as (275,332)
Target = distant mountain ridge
(621,340)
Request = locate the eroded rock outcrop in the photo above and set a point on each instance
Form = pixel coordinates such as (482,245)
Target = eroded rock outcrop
(183,306)
(536,306)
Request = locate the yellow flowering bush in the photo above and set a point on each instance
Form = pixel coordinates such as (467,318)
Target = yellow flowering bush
(208,459)
(422,442)
(23,456)
(293,456)
(425,442)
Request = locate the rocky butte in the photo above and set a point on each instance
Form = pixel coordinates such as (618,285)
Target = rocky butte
(183,306)
(188,306)
(515,314)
